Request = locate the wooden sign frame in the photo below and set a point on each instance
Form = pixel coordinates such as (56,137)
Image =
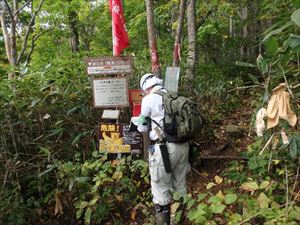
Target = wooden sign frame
(110,92)
(109,65)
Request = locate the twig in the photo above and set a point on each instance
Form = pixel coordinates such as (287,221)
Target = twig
(34,39)
(287,84)
(267,144)
(296,181)
(270,160)
(245,87)
(224,157)
(4,182)
(196,171)
(292,203)
(256,214)
(249,218)
(298,63)
(287,192)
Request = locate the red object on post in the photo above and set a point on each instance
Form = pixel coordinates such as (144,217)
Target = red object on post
(135,101)
(136,109)
(119,32)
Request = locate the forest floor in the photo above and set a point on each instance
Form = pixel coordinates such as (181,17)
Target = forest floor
(225,148)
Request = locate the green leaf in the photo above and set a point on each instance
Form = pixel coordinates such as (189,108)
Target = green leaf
(71,184)
(78,213)
(214,199)
(272,45)
(178,216)
(296,17)
(82,204)
(87,216)
(82,179)
(50,168)
(202,196)
(263,200)
(296,3)
(244,64)
(293,41)
(190,203)
(93,201)
(262,64)
(230,198)
(266,96)
(202,206)
(236,217)
(264,184)
(249,186)
(217,208)
(277,31)
(34,102)
(55,131)
(77,138)
(176,196)
(253,78)
(293,149)
(74,109)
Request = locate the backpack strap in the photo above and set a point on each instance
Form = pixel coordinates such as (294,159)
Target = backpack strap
(160,127)
(160,92)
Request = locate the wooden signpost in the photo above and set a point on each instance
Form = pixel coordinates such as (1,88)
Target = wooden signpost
(110,92)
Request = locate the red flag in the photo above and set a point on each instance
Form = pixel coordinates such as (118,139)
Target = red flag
(119,32)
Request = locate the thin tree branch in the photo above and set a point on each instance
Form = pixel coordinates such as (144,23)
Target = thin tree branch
(295,183)
(22,7)
(203,19)
(28,31)
(224,157)
(287,192)
(34,39)
(246,87)
(9,9)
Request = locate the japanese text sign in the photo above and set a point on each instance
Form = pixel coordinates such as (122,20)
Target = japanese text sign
(109,65)
(110,92)
(114,138)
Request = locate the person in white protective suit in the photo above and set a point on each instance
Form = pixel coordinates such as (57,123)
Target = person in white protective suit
(162,183)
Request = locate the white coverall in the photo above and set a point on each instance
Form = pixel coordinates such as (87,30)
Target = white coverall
(163,183)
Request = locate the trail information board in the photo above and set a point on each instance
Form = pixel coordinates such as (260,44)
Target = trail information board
(114,138)
(110,92)
(109,65)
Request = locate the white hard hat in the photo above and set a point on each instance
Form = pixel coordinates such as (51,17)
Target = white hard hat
(149,80)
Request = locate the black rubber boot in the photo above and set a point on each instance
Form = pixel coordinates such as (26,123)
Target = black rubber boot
(162,214)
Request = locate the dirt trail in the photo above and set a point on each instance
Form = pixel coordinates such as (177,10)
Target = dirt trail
(224,148)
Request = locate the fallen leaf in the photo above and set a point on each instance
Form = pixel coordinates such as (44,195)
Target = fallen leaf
(210,185)
(218,179)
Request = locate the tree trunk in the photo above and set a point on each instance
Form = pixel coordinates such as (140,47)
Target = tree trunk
(5,33)
(177,44)
(73,24)
(244,16)
(152,38)
(191,56)
(8,18)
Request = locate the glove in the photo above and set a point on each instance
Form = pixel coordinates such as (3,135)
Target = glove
(142,120)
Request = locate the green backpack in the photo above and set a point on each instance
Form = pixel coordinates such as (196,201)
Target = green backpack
(182,120)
